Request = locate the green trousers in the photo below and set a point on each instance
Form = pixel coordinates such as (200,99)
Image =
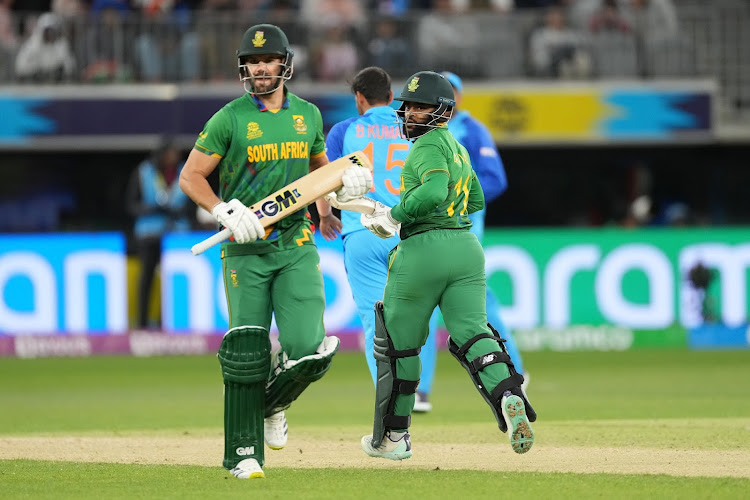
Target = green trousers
(286,284)
(442,268)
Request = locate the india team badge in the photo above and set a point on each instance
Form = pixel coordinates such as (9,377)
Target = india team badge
(253,130)
(413,84)
(299,124)
(259,40)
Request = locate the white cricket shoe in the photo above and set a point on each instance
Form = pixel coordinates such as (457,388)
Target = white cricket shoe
(392,449)
(421,403)
(248,469)
(275,430)
(519,428)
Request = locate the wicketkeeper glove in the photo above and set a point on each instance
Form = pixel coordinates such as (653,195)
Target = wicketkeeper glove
(239,219)
(381,223)
(357,182)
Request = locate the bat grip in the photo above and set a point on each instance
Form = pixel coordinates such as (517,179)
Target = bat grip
(215,239)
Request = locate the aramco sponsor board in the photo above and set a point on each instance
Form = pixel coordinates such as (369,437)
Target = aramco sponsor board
(558,289)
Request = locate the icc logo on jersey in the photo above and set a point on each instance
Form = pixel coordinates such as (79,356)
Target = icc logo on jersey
(253,130)
(299,124)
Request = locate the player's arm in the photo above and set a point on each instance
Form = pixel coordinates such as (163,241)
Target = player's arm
(324,209)
(476,196)
(194,179)
(486,162)
(431,166)
(425,198)
(233,215)
(330,225)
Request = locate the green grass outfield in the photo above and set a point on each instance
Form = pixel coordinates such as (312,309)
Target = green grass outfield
(645,423)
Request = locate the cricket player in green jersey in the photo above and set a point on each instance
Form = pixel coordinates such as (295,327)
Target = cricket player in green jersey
(438,262)
(261,142)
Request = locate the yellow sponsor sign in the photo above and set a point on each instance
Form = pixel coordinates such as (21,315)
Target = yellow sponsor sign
(540,115)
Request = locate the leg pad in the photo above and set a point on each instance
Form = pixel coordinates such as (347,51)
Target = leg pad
(290,377)
(473,367)
(245,359)
(388,385)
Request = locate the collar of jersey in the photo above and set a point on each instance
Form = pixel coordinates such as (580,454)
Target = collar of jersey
(380,109)
(262,107)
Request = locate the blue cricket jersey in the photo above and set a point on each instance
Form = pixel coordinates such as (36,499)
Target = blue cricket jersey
(485,160)
(377,133)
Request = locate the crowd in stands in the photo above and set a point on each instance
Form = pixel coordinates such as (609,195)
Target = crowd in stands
(194,40)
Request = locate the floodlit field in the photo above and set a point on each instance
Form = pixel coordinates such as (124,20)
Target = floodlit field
(653,424)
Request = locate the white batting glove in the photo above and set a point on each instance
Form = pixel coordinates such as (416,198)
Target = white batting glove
(381,223)
(239,219)
(357,182)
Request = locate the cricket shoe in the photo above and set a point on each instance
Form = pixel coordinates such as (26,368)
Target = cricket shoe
(398,449)
(514,412)
(248,469)
(421,403)
(275,430)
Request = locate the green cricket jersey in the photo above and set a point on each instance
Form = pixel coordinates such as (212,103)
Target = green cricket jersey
(261,152)
(438,186)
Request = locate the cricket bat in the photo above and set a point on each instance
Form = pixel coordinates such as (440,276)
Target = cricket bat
(295,196)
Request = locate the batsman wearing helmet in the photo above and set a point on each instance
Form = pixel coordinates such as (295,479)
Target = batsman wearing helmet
(261,142)
(438,262)
(375,131)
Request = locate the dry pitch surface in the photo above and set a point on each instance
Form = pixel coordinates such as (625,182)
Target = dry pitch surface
(308,453)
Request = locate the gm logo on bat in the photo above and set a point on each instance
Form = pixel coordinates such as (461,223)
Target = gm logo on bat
(281,203)
(354,159)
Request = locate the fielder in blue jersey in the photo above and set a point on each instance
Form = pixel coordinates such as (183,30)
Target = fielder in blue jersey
(375,131)
(486,162)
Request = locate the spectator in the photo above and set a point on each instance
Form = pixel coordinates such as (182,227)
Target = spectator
(168,49)
(395,8)
(8,39)
(217,63)
(122,6)
(336,56)
(286,15)
(388,49)
(46,55)
(159,206)
(608,18)
(67,10)
(321,14)
(557,50)
(652,20)
(579,12)
(107,46)
(447,39)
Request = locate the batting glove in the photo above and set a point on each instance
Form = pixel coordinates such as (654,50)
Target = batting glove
(239,219)
(381,223)
(357,182)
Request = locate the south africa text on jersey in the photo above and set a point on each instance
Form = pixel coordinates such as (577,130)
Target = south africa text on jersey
(278,151)
(282,201)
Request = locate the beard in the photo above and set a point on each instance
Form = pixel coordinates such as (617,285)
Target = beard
(413,130)
(265,83)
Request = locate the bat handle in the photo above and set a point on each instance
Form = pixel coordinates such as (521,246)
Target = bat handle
(215,239)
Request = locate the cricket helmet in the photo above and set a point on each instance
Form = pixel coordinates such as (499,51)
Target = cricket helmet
(263,39)
(427,87)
